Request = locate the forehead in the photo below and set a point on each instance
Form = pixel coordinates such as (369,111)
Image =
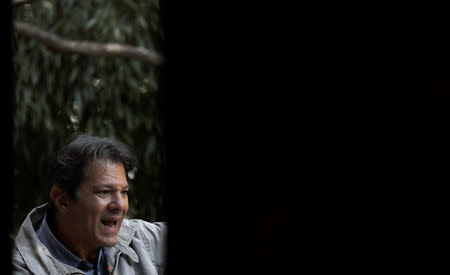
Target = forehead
(105,172)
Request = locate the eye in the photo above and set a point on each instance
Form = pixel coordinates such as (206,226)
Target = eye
(125,192)
(103,192)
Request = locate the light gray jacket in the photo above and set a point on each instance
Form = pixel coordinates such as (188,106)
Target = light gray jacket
(141,249)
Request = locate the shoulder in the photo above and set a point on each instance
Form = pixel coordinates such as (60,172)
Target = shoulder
(152,235)
(18,263)
(156,229)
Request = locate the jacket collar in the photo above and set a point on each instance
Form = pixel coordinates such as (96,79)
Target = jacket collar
(126,233)
(35,253)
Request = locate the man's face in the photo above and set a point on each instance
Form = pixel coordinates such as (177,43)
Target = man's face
(101,206)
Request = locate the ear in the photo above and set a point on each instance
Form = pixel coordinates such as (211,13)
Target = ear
(59,197)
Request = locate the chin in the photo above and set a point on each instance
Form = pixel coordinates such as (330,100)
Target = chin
(110,242)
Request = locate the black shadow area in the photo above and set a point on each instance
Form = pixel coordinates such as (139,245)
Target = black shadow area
(306,138)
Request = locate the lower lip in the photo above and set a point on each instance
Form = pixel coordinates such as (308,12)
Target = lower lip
(114,229)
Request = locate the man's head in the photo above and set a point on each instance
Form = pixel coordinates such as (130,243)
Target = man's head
(88,191)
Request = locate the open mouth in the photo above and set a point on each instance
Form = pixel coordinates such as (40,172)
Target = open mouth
(109,222)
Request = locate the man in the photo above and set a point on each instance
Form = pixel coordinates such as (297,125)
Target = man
(83,230)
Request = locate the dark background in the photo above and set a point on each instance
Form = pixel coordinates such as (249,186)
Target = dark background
(6,122)
(307,138)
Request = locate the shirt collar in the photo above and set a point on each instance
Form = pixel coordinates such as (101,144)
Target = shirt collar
(59,251)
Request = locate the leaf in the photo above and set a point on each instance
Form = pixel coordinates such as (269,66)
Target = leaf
(91,23)
(133,83)
(78,104)
(142,22)
(26,97)
(34,77)
(73,75)
(57,59)
(48,124)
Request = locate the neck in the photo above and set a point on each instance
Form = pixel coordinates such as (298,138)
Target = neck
(72,240)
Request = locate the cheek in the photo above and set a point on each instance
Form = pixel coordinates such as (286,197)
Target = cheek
(94,211)
(126,205)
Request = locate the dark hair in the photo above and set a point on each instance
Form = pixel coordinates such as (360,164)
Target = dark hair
(70,165)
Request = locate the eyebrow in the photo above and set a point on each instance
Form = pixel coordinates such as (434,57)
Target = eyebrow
(109,186)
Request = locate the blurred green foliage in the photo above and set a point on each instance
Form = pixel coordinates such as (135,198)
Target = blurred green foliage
(57,94)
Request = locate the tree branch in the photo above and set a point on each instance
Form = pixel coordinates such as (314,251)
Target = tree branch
(20,2)
(59,44)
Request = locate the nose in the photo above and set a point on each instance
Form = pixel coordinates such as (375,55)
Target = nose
(118,202)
